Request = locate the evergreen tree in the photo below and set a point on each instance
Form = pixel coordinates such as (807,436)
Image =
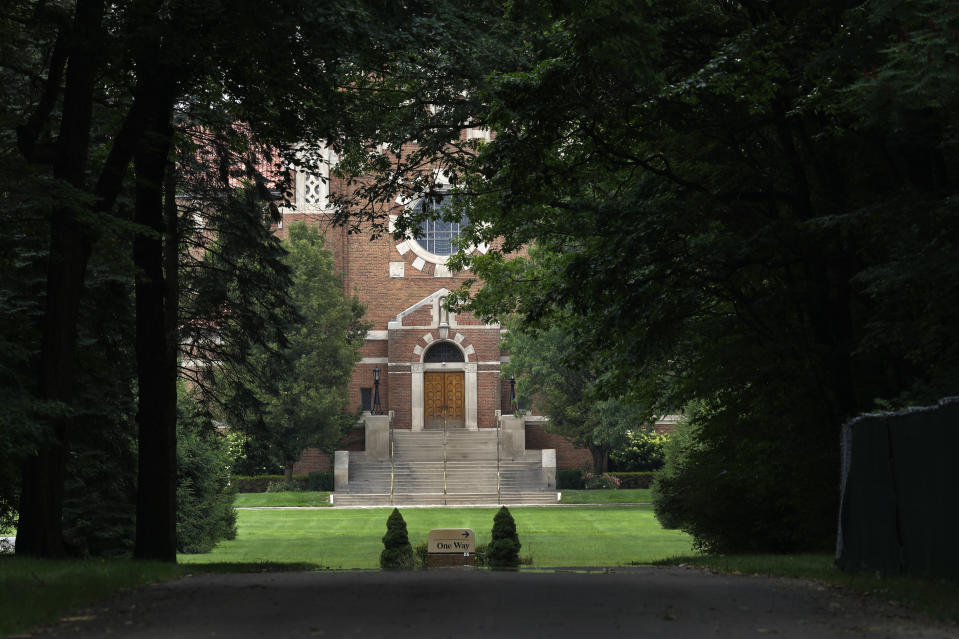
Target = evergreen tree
(503,552)
(304,403)
(205,513)
(397,552)
(61,61)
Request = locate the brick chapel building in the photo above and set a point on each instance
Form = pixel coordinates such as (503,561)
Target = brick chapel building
(435,369)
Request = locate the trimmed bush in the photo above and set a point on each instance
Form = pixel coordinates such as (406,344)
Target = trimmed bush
(503,551)
(569,479)
(397,552)
(635,480)
(321,481)
(261,483)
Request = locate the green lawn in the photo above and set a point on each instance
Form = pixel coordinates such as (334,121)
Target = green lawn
(620,496)
(352,538)
(304,498)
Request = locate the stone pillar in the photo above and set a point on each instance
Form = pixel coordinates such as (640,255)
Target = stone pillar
(471,383)
(512,437)
(341,471)
(416,395)
(377,436)
(549,468)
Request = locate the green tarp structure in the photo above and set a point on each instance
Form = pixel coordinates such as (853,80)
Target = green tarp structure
(899,508)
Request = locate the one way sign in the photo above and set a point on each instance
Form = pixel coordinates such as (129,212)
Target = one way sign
(451,541)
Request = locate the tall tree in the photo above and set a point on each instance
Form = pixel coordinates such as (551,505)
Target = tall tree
(551,371)
(728,208)
(306,399)
(131,64)
(41,500)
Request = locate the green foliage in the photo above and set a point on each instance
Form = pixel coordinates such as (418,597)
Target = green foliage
(735,495)
(292,498)
(205,512)
(605,481)
(397,553)
(249,459)
(300,391)
(284,486)
(261,483)
(421,555)
(642,450)
(569,478)
(503,550)
(740,216)
(481,556)
(668,499)
(620,496)
(549,369)
(321,480)
(640,479)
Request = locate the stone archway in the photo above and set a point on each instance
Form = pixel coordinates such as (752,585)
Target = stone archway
(444,387)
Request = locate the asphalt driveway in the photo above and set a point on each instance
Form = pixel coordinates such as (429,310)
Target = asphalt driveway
(624,602)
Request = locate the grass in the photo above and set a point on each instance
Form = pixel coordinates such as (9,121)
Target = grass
(291,498)
(620,496)
(938,598)
(352,538)
(37,591)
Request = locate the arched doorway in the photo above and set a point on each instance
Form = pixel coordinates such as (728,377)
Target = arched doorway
(444,387)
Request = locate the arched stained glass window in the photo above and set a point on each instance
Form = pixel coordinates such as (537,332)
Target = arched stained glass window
(443,352)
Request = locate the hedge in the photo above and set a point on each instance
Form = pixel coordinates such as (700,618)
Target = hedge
(569,479)
(259,483)
(639,479)
(321,480)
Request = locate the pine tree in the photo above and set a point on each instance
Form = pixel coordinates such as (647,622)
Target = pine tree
(504,548)
(397,552)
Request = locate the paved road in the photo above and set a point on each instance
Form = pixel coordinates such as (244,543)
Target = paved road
(641,602)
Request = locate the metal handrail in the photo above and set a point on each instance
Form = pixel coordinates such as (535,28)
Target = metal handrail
(445,415)
(392,464)
(499,491)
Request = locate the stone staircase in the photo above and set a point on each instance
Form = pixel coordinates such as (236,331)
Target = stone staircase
(468,477)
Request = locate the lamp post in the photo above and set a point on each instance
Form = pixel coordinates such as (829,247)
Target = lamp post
(377,408)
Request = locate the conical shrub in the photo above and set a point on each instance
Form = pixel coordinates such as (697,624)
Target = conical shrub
(504,548)
(397,552)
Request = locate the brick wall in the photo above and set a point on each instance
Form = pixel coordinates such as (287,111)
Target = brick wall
(568,456)
(315,460)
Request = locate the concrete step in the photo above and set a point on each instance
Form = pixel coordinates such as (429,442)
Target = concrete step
(439,499)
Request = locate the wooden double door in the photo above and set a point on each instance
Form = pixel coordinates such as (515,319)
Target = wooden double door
(444,399)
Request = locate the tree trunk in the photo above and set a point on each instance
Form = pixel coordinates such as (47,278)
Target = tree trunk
(288,472)
(40,528)
(600,459)
(155,346)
